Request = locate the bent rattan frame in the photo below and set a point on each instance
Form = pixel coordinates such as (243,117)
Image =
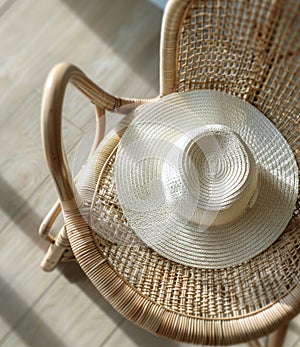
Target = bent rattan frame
(195,54)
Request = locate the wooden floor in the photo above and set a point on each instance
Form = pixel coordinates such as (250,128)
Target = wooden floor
(116,43)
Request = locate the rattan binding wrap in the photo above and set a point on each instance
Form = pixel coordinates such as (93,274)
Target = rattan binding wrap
(249,49)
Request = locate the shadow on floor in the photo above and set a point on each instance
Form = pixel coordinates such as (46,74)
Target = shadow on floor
(24,216)
(140,337)
(126,16)
(6,6)
(11,305)
(35,333)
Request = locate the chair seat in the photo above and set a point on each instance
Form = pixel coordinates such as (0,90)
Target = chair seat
(137,277)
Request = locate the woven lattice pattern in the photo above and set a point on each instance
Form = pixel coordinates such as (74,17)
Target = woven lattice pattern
(246,48)
(203,293)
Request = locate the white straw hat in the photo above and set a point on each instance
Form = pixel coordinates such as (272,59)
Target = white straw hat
(205,179)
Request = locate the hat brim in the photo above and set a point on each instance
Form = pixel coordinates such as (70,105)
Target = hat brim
(174,238)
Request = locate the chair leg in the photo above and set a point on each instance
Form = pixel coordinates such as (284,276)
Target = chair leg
(278,337)
(55,251)
(44,230)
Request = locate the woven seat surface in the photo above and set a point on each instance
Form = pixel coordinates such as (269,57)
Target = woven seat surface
(260,285)
(205,293)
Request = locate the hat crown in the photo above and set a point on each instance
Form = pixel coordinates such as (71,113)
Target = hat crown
(216,177)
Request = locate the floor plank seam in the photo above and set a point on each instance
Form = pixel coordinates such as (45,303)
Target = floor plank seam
(110,335)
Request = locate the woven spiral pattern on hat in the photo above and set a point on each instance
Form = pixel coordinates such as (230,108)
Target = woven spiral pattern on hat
(162,192)
(208,293)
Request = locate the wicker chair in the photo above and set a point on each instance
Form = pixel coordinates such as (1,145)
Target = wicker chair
(246,48)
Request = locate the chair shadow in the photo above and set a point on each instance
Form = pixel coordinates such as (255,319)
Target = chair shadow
(6,6)
(24,215)
(34,330)
(28,220)
(119,29)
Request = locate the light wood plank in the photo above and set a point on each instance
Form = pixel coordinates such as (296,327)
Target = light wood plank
(22,163)
(129,335)
(292,339)
(69,315)
(22,281)
(297,343)
(295,325)
(51,31)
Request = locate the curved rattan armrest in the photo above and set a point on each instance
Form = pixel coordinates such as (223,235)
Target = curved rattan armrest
(51,117)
